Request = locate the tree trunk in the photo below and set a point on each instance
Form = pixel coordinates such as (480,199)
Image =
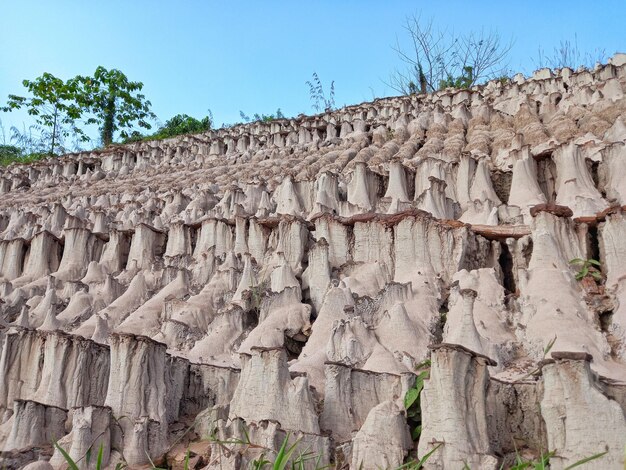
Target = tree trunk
(423,82)
(54,130)
(108,126)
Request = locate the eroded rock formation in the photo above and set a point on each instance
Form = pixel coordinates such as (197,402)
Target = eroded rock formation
(282,282)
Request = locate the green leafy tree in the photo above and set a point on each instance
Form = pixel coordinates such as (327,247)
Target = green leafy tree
(54,106)
(114,102)
(177,125)
(108,99)
(9,154)
(183,124)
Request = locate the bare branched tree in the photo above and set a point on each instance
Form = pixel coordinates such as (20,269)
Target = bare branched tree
(440,58)
(568,54)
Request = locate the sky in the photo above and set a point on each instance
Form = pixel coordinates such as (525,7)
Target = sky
(255,56)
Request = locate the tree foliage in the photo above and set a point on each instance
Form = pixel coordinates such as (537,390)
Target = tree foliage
(14,154)
(183,124)
(21,147)
(54,106)
(177,125)
(9,153)
(62,108)
(33,139)
(114,102)
(438,59)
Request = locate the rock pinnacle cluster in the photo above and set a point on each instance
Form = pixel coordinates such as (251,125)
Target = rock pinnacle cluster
(221,294)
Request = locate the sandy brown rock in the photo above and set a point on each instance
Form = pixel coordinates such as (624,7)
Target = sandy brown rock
(288,278)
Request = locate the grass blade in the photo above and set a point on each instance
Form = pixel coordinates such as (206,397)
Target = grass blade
(587,459)
(423,460)
(99,459)
(284,454)
(70,462)
(186,467)
(549,346)
(410,397)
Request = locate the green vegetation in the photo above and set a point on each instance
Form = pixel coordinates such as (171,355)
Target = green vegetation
(412,401)
(10,152)
(441,58)
(262,117)
(114,103)
(465,80)
(72,465)
(418,464)
(285,457)
(183,124)
(588,267)
(21,147)
(178,125)
(543,463)
(320,101)
(436,59)
(54,105)
(8,157)
(412,404)
(108,99)
(282,458)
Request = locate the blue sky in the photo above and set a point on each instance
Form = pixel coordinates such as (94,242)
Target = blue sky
(256,56)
